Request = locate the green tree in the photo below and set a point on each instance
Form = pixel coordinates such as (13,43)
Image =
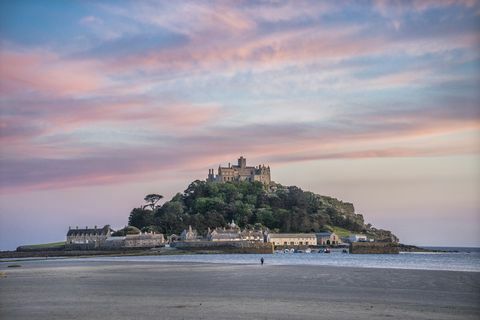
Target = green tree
(152,200)
(140,218)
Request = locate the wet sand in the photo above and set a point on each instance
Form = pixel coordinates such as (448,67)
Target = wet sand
(82,289)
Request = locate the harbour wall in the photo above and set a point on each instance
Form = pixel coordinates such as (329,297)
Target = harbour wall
(225,246)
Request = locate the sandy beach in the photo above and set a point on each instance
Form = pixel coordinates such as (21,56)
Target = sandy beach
(82,289)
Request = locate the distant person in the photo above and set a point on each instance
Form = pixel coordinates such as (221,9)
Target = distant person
(261,260)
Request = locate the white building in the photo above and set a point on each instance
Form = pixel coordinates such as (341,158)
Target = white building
(292,239)
(356,238)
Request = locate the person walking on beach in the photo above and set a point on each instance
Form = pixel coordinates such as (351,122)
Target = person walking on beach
(261,260)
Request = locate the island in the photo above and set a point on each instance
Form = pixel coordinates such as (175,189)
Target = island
(237,209)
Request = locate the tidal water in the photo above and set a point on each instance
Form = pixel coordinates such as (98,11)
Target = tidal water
(461,259)
(465,259)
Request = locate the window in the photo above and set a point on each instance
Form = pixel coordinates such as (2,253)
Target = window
(306,242)
(285,243)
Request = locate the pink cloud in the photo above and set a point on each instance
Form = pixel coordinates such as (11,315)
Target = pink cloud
(47,73)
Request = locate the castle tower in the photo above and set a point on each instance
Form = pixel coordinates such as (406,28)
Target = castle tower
(242,162)
(211,175)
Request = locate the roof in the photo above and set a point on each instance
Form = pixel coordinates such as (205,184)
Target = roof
(90,231)
(252,232)
(292,235)
(225,235)
(324,234)
(144,236)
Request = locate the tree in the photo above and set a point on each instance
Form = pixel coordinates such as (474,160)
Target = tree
(152,200)
(140,218)
(206,205)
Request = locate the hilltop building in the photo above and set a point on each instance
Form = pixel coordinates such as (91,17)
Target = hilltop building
(240,172)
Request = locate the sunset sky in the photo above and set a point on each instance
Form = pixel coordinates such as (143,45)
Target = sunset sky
(372,102)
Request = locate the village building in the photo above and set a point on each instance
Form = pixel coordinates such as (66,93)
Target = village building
(253,235)
(231,233)
(292,239)
(144,240)
(327,238)
(93,237)
(114,242)
(189,235)
(356,238)
(240,172)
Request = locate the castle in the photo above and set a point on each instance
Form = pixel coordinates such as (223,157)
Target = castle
(240,172)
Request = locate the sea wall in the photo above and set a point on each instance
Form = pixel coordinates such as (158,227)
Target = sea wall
(374,248)
(34,249)
(225,246)
(74,253)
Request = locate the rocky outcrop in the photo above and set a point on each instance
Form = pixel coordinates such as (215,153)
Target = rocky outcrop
(381,235)
(374,248)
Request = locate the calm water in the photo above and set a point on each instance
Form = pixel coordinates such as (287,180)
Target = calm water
(465,259)
(455,261)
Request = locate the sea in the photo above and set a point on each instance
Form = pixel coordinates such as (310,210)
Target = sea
(454,259)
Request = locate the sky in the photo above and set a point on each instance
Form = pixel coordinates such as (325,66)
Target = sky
(372,102)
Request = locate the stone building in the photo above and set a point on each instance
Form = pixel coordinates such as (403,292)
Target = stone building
(144,240)
(94,237)
(327,238)
(189,235)
(292,239)
(240,172)
(140,240)
(231,233)
(253,235)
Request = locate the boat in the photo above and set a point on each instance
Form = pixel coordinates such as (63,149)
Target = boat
(344,251)
(308,250)
(327,250)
